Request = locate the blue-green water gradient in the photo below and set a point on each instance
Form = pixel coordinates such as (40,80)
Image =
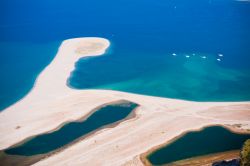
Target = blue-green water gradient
(144,35)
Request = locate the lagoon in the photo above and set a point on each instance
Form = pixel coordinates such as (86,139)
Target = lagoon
(45,143)
(207,141)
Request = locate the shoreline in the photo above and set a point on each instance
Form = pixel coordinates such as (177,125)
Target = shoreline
(143,156)
(47,106)
(207,159)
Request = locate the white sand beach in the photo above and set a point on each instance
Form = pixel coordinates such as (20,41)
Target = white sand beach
(51,103)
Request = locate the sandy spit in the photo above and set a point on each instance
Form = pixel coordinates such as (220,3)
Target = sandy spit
(51,103)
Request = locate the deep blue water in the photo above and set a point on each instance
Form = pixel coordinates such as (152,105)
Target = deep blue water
(70,132)
(20,63)
(209,140)
(144,34)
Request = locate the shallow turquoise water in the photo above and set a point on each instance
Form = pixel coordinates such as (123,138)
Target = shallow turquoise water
(70,132)
(144,35)
(141,60)
(190,75)
(209,140)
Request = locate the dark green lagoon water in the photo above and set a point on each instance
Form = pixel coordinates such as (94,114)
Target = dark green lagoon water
(207,141)
(49,142)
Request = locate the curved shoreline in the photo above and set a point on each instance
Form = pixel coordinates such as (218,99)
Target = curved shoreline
(66,43)
(42,88)
(51,103)
(143,156)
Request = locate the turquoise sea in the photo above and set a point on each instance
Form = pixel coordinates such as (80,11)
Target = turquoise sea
(194,50)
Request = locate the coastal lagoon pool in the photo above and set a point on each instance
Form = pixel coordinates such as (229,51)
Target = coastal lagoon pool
(70,132)
(207,141)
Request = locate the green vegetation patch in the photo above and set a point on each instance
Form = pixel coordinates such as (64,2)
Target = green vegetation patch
(245,154)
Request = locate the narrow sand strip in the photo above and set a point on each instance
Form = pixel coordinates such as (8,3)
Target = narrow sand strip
(51,103)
